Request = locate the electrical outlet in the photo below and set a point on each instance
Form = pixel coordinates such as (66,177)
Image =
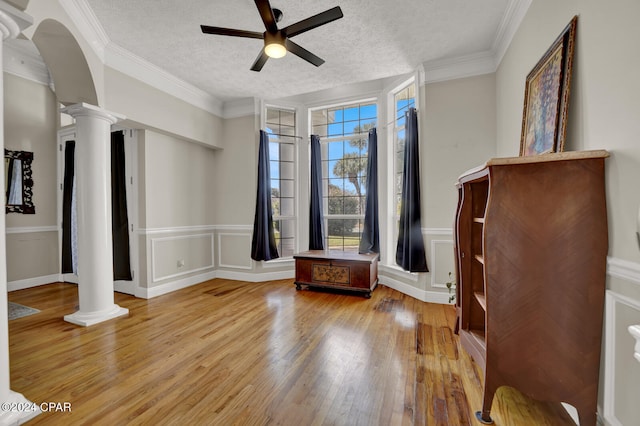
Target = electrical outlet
(180,263)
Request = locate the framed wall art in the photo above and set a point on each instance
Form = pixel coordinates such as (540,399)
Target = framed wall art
(18,179)
(546,97)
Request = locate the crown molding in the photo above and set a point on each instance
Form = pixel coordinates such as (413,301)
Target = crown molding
(120,59)
(484,62)
(134,66)
(515,13)
(460,67)
(87,23)
(237,108)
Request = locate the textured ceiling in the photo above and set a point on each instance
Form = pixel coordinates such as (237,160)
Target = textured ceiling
(375,39)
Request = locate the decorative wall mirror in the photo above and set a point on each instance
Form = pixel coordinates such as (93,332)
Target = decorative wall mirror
(18,180)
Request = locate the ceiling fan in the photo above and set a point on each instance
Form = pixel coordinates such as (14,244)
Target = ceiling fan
(277,41)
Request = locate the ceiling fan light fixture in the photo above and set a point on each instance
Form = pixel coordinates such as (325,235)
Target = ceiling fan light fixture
(274,45)
(275,50)
(277,41)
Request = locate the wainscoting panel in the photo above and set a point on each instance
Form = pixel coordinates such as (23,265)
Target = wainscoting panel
(621,370)
(234,250)
(32,253)
(442,262)
(176,256)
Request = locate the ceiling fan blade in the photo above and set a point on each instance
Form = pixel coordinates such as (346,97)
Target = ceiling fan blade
(300,51)
(313,22)
(230,32)
(260,61)
(266,13)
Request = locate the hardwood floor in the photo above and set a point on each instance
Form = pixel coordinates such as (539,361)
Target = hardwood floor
(229,352)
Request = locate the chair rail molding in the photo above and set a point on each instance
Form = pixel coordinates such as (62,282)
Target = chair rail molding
(624,269)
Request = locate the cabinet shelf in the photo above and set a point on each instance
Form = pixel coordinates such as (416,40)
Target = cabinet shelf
(481,299)
(478,219)
(473,341)
(478,336)
(479,258)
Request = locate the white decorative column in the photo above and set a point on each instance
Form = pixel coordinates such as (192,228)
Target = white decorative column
(93,201)
(12,22)
(635,332)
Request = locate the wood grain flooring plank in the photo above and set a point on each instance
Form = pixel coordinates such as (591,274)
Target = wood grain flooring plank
(229,352)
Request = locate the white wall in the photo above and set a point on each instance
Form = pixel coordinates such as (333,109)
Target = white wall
(33,129)
(236,171)
(605,102)
(177,217)
(604,111)
(32,240)
(179,182)
(147,107)
(457,132)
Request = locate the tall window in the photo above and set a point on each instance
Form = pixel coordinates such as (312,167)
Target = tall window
(404,99)
(343,135)
(281,126)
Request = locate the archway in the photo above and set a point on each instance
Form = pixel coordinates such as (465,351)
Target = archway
(66,62)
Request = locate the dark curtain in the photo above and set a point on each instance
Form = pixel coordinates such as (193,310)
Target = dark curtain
(370,241)
(263,243)
(67,196)
(410,253)
(316,237)
(119,217)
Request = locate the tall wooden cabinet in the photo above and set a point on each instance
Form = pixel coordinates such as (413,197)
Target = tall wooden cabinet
(531,248)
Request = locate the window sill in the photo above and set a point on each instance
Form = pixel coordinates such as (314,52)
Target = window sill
(396,270)
(279,262)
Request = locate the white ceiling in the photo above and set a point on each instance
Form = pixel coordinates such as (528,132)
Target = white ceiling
(375,39)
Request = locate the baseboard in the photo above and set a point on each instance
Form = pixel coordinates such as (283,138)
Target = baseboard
(416,293)
(159,290)
(255,278)
(33,282)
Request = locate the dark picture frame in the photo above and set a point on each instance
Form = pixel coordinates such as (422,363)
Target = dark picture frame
(24,184)
(546,97)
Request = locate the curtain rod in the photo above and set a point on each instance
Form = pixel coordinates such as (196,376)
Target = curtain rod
(338,136)
(286,136)
(397,118)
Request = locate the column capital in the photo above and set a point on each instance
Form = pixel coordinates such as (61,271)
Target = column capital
(635,332)
(87,110)
(12,20)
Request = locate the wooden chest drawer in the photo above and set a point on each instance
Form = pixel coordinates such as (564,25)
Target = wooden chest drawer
(337,269)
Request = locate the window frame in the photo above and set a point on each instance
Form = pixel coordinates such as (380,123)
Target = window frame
(395,127)
(332,136)
(278,137)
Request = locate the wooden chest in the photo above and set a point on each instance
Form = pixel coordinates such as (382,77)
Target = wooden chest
(337,269)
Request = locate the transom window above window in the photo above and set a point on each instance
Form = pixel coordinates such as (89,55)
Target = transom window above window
(345,120)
